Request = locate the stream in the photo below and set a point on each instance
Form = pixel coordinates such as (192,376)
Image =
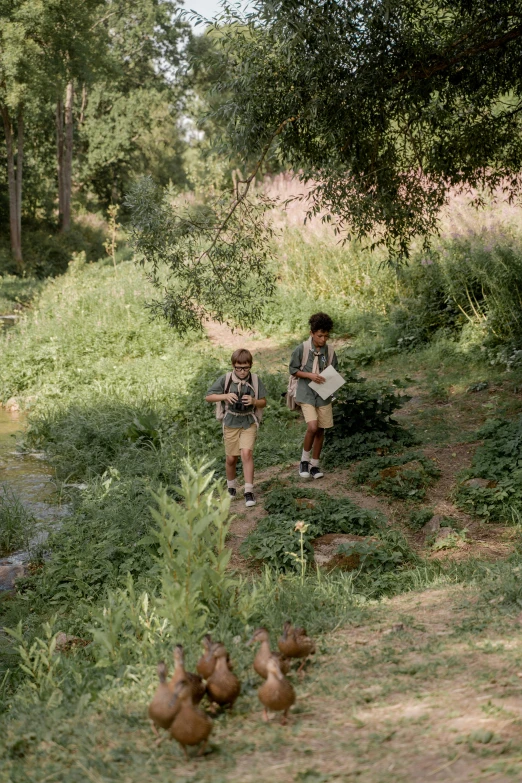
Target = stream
(30,478)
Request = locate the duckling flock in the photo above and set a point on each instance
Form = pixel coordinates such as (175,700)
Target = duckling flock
(175,705)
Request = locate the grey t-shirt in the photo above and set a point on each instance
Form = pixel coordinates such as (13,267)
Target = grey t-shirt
(303,392)
(235,419)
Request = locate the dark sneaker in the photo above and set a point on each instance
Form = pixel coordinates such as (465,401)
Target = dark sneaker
(316,472)
(232,492)
(249,499)
(304,469)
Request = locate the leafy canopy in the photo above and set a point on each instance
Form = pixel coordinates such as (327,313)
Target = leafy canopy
(385,105)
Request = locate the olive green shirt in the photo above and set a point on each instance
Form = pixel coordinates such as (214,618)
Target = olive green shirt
(234,419)
(304,393)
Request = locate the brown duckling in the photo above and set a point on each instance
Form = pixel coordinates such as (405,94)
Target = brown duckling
(205,665)
(294,643)
(161,709)
(276,693)
(190,725)
(222,686)
(194,680)
(263,654)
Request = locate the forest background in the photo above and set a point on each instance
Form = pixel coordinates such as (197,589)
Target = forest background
(96,96)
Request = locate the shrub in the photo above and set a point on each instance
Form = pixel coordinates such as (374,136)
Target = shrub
(419,517)
(497,466)
(363,420)
(404,477)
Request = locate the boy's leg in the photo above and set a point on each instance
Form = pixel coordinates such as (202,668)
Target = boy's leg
(324,421)
(318,443)
(247,442)
(247,458)
(231,439)
(310,415)
(231,465)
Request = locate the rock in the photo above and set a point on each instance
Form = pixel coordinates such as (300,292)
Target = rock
(397,628)
(9,574)
(305,503)
(65,641)
(480,483)
(432,525)
(327,556)
(12,405)
(444,532)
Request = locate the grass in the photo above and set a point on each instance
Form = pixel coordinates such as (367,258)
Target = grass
(16,522)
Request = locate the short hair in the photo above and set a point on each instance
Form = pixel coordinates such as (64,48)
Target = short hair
(242,356)
(320,321)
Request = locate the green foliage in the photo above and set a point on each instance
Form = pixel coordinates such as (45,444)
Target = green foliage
(16,521)
(405,477)
(388,553)
(498,463)
(275,540)
(419,517)
(211,272)
(40,663)
(366,134)
(362,417)
(194,585)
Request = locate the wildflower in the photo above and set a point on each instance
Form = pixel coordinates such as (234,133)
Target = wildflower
(301,527)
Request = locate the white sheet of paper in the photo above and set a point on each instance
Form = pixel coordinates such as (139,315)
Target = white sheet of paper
(333,382)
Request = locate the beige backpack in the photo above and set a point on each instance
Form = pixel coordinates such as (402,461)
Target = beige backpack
(221,407)
(291,390)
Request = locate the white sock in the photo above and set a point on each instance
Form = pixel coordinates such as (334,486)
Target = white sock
(314,463)
(305,456)
(249,488)
(231,484)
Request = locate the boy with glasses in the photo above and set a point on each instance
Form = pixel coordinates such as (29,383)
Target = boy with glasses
(240,398)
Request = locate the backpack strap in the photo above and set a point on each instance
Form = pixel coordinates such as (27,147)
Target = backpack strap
(330,354)
(258,412)
(228,381)
(306,354)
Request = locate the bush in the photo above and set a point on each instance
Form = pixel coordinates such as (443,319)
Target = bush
(363,420)
(405,477)
(497,467)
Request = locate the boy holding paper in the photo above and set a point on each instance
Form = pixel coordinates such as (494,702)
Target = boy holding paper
(316,410)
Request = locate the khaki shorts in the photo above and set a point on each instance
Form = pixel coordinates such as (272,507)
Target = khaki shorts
(237,438)
(323,415)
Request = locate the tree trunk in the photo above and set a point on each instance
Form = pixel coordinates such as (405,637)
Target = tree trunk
(59,157)
(14,180)
(68,157)
(19,173)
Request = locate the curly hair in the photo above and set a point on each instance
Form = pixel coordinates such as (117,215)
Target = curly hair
(320,321)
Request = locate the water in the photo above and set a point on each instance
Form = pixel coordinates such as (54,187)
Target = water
(30,477)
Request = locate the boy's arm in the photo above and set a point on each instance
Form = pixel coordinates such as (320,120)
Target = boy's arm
(216,392)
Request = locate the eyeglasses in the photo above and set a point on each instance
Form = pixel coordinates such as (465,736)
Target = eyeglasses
(241,369)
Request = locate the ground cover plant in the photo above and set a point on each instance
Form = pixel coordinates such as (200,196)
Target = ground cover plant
(404,476)
(492,487)
(276,539)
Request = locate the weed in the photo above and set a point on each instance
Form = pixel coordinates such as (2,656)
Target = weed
(419,517)
(16,522)
(405,477)
(492,487)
